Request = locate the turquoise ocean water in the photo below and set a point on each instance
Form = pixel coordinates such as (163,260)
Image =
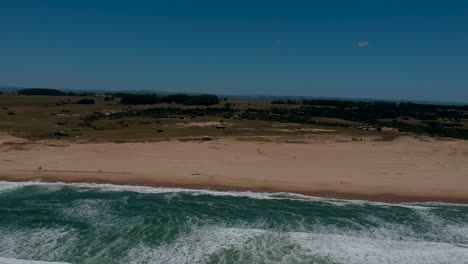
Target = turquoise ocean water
(86,223)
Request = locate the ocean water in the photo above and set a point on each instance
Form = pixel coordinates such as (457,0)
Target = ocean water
(86,223)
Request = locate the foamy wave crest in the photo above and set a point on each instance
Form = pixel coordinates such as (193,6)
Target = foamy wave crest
(41,243)
(53,186)
(103,223)
(346,249)
(22,261)
(6,186)
(457,231)
(10,186)
(239,245)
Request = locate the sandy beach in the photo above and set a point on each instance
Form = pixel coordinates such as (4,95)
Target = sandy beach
(404,170)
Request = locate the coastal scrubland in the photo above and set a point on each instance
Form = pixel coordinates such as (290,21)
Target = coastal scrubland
(46,114)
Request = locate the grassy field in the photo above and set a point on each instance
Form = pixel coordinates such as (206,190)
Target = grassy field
(46,117)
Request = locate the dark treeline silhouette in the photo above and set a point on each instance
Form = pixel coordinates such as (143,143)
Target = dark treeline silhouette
(138,99)
(407,105)
(148,99)
(41,91)
(85,101)
(206,100)
(51,92)
(369,111)
(435,120)
(289,102)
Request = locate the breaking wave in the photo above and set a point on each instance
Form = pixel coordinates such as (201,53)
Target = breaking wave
(101,223)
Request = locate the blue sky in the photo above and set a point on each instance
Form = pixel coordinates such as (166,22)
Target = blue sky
(416,50)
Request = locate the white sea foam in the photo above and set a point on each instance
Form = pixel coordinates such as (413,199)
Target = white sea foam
(22,261)
(442,229)
(6,186)
(9,186)
(321,243)
(86,209)
(246,245)
(96,212)
(347,249)
(351,242)
(39,243)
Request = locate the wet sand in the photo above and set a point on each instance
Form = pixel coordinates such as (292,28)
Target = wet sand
(404,170)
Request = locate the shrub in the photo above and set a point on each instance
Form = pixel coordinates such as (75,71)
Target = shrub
(86,101)
(205,100)
(41,91)
(176,98)
(139,99)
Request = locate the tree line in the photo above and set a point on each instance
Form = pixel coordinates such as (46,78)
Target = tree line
(51,92)
(305,115)
(150,99)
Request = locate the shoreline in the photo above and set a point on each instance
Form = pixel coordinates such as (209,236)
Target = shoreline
(401,171)
(145,182)
(381,198)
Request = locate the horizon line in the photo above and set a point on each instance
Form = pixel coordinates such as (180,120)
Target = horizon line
(258,96)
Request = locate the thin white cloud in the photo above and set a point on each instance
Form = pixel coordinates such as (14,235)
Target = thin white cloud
(363,44)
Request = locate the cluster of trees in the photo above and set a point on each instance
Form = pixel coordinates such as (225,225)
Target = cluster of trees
(288,102)
(433,128)
(131,99)
(86,101)
(379,114)
(370,111)
(139,99)
(149,99)
(401,105)
(51,92)
(41,91)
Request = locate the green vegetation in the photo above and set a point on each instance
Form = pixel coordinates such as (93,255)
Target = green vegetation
(206,100)
(434,120)
(139,99)
(41,91)
(176,98)
(288,102)
(149,99)
(86,101)
(51,92)
(130,117)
